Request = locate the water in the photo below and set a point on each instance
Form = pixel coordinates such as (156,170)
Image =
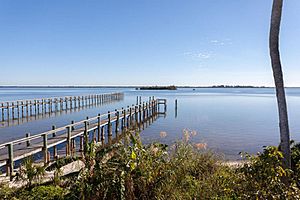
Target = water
(228,120)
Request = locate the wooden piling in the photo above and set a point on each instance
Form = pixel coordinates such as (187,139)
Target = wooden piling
(54,147)
(27,111)
(10,161)
(7,110)
(85,135)
(28,141)
(124,119)
(45,148)
(13,110)
(99,127)
(68,146)
(117,122)
(2,111)
(18,110)
(109,131)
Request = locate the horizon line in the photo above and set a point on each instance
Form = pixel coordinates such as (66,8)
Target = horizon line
(136,86)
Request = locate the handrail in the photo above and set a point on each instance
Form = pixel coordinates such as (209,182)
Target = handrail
(64,97)
(36,136)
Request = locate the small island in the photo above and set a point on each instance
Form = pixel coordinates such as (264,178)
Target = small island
(171,87)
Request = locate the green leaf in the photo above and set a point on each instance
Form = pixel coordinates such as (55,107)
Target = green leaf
(133,155)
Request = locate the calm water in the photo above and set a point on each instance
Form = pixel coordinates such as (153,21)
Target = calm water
(228,120)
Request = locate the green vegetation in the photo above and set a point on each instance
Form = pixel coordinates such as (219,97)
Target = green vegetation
(171,87)
(131,170)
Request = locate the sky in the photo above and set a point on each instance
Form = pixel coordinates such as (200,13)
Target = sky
(144,42)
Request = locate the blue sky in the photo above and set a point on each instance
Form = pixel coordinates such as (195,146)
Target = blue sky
(141,42)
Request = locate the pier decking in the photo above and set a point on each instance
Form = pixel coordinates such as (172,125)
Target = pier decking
(96,128)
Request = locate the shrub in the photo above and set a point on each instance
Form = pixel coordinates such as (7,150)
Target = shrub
(154,172)
(263,177)
(131,170)
(30,173)
(39,192)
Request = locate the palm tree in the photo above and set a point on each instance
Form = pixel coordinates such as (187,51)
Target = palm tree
(278,78)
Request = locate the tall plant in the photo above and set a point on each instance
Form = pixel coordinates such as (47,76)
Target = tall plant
(279,83)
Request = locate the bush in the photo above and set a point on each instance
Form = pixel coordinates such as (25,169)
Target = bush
(263,177)
(37,193)
(154,172)
(30,173)
(131,170)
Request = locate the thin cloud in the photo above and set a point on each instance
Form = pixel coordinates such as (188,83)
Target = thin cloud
(198,55)
(221,42)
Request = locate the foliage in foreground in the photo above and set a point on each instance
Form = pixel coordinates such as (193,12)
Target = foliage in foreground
(130,170)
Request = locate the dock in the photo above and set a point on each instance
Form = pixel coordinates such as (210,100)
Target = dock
(103,128)
(11,110)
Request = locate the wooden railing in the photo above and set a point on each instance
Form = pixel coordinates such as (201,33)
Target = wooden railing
(131,117)
(32,107)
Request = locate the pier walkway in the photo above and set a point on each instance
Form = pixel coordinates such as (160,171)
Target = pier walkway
(99,128)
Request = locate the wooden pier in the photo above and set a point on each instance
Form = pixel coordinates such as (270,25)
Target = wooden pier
(99,129)
(18,121)
(33,107)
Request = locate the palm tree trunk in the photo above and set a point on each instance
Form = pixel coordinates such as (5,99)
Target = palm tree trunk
(278,78)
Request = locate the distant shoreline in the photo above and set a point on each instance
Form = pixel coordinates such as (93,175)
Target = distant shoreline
(130,86)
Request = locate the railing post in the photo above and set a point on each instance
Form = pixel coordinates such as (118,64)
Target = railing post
(153,106)
(109,132)
(54,148)
(42,106)
(2,111)
(128,118)
(117,122)
(140,115)
(78,102)
(28,140)
(72,127)
(68,146)
(124,119)
(55,104)
(80,143)
(102,136)
(38,107)
(30,108)
(18,110)
(147,111)
(10,161)
(50,105)
(45,148)
(99,126)
(13,110)
(73,147)
(7,107)
(86,139)
(22,109)
(143,109)
(136,116)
